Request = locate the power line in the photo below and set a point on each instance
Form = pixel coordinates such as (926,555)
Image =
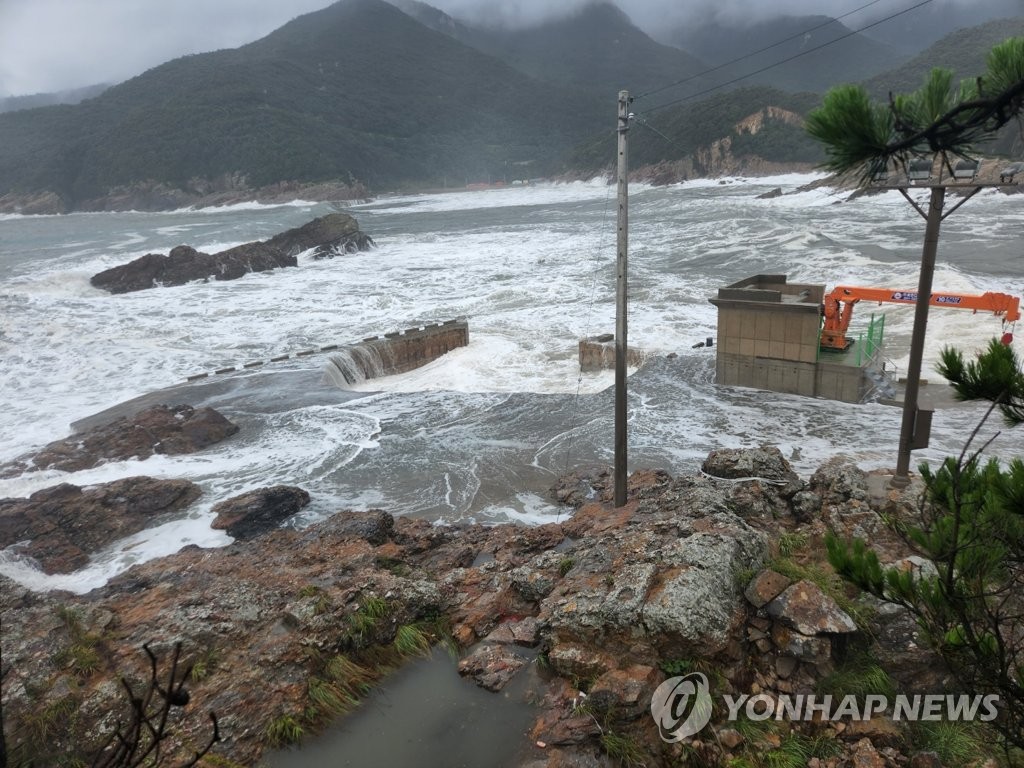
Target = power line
(754,53)
(648,126)
(784,61)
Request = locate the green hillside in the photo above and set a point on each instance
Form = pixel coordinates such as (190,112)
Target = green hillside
(681,131)
(362,91)
(964,52)
(358,90)
(686,129)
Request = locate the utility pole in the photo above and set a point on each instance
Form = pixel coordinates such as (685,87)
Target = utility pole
(914,432)
(909,425)
(621,303)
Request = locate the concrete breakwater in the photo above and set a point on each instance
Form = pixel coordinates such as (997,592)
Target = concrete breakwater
(376,356)
(396,353)
(392,353)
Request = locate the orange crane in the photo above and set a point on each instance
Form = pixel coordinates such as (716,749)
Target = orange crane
(838,307)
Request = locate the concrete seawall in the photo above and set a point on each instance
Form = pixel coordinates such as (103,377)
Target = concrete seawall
(261,388)
(375,356)
(399,352)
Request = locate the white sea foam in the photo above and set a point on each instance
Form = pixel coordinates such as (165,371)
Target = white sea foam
(533,269)
(499,197)
(151,543)
(250,205)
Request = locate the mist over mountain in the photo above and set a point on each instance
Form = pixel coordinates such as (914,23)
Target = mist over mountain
(356,91)
(964,52)
(816,52)
(595,47)
(71,96)
(914,32)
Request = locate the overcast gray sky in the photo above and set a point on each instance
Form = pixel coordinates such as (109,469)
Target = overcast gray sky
(52,45)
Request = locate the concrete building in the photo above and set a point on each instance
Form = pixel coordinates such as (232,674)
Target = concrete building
(769,338)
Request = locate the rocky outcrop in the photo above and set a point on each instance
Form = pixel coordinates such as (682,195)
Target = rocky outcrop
(329,235)
(64,524)
(33,203)
(610,602)
(161,429)
(254,513)
(184,264)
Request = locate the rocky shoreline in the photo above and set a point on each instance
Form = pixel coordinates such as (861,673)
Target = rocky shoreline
(715,162)
(720,573)
(230,189)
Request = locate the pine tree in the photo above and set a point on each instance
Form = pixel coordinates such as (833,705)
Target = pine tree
(940,118)
(970,526)
(970,522)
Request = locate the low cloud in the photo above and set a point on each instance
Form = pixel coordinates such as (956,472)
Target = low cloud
(53,45)
(655,15)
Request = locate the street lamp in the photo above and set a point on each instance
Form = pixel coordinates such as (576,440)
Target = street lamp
(919,170)
(965,170)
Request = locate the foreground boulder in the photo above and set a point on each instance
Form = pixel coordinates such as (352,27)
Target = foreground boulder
(256,512)
(161,429)
(329,235)
(63,525)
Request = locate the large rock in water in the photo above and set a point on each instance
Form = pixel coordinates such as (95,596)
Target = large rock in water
(329,235)
(254,513)
(160,429)
(64,524)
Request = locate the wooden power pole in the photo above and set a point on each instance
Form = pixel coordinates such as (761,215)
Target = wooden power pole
(621,304)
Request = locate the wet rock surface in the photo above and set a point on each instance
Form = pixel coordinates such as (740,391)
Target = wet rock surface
(331,235)
(62,525)
(257,512)
(161,429)
(601,609)
(336,233)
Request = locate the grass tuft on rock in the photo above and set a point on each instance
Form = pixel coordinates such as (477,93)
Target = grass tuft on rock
(283,730)
(957,743)
(858,676)
(412,640)
(623,749)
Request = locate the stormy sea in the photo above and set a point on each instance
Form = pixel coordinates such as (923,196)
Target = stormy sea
(482,433)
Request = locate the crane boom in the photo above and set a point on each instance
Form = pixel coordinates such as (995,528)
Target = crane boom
(838,307)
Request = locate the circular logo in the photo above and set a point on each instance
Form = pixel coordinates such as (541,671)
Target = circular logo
(681,706)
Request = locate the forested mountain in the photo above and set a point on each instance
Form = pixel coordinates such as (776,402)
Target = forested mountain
(358,90)
(363,91)
(735,130)
(719,134)
(72,96)
(963,51)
